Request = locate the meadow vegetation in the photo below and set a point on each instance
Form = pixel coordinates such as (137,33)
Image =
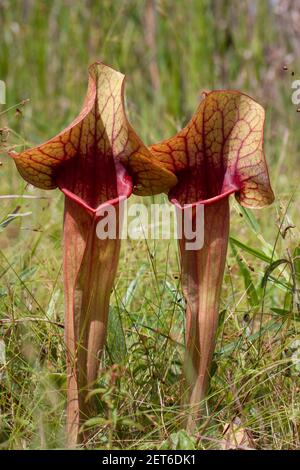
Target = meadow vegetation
(171,51)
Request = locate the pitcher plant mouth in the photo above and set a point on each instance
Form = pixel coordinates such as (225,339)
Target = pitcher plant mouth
(218,153)
(125,186)
(205,202)
(96,161)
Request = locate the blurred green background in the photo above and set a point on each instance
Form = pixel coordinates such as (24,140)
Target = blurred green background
(170,51)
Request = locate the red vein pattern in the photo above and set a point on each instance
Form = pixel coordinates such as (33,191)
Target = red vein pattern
(94,146)
(220,151)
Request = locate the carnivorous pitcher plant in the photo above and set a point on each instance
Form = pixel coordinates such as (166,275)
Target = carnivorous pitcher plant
(218,153)
(96,161)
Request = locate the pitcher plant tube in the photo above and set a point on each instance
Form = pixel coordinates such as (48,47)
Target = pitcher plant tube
(96,162)
(218,153)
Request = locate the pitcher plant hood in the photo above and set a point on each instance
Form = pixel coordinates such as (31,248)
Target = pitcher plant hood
(219,152)
(86,158)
